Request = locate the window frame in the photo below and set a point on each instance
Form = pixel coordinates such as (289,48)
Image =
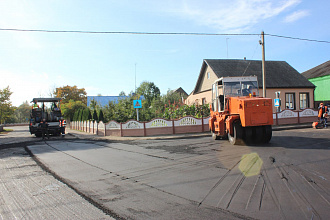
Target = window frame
(307,100)
(292,101)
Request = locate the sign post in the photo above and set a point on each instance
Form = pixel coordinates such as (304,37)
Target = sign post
(277,101)
(137,104)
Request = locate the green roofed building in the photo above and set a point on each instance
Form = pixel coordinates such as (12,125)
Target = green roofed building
(320,77)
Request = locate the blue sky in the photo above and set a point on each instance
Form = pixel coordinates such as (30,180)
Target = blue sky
(34,63)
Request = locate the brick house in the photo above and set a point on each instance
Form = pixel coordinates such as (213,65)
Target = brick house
(297,92)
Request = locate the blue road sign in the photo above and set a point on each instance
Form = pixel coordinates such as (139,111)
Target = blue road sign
(277,102)
(137,103)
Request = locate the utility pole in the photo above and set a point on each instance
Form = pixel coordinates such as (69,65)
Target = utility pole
(262,42)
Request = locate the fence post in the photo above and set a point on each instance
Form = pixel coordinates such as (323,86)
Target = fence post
(202,124)
(173,126)
(144,129)
(276,118)
(298,117)
(105,130)
(121,129)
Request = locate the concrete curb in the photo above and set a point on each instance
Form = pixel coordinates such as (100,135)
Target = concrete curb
(79,134)
(84,135)
(291,127)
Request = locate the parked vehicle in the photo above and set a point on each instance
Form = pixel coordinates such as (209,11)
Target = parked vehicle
(45,108)
(238,113)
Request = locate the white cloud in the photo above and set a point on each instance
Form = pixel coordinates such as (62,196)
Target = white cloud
(232,16)
(296,16)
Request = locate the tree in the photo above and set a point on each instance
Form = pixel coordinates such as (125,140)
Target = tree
(86,114)
(94,105)
(122,93)
(6,108)
(149,90)
(71,108)
(101,117)
(68,93)
(80,111)
(23,112)
(171,97)
(75,116)
(95,118)
(89,116)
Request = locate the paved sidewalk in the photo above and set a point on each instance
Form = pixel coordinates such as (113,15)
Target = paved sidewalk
(81,134)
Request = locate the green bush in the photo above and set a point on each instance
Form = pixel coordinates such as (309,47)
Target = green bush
(168,106)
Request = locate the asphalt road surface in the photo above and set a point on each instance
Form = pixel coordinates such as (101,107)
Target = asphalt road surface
(28,192)
(196,178)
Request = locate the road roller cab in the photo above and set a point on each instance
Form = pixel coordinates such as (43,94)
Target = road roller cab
(237,111)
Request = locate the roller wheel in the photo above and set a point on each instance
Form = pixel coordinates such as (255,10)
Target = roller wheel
(214,136)
(248,138)
(267,133)
(37,134)
(236,139)
(259,134)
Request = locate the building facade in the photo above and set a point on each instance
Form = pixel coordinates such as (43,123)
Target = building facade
(296,92)
(320,77)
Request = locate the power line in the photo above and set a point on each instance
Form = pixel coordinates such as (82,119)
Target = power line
(157,33)
(297,38)
(121,32)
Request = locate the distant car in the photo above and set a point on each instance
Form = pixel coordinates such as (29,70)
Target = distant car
(48,108)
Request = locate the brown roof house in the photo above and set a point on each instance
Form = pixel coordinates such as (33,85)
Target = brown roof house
(296,91)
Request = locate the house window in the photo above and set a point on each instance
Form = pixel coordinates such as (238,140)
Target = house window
(304,100)
(203,101)
(290,101)
(208,75)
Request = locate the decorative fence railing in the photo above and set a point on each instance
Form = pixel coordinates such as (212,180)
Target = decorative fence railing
(156,126)
(295,117)
(188,124)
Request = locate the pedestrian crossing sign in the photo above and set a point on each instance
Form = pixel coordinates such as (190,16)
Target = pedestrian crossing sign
(277,102)
(137,103)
